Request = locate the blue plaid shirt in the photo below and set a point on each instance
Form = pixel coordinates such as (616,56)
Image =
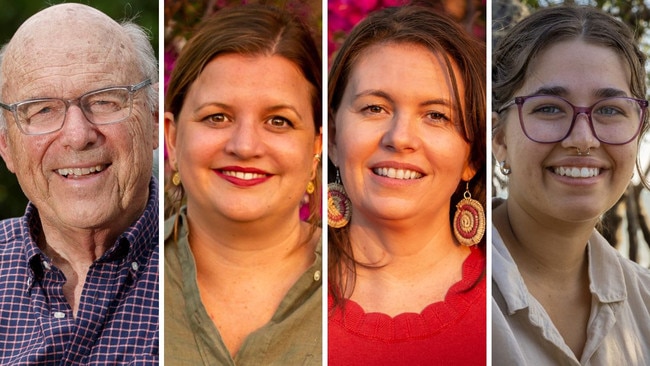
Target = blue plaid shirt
(117,320)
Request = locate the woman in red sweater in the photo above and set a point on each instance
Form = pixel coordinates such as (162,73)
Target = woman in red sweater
(407,180)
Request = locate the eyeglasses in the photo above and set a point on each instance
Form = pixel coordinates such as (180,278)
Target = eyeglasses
(549,118)
(101,107)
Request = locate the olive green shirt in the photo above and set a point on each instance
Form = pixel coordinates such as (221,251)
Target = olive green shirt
(292,337)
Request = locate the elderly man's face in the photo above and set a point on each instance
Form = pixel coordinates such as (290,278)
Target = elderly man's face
(83,176)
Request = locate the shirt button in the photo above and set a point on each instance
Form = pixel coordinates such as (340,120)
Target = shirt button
(59,315)
(317,276)
(47,266)
(135,266)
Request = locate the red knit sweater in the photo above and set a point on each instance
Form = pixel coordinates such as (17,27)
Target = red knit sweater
(451,332)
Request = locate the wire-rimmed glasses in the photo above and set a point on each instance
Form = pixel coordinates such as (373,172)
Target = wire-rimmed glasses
(550,118)
(104,106)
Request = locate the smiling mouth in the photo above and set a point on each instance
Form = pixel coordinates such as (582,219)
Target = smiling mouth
(80,172)
(397,173)
(243,175)
(576,172)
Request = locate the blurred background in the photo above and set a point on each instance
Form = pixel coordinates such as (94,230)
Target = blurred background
(626,225)
(13,14)
(343,15)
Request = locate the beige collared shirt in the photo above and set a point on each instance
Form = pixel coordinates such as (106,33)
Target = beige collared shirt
(618,332)
(292,337)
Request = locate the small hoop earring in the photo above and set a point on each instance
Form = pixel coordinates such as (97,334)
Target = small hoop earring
(469,220)
(505,170)
(339,207)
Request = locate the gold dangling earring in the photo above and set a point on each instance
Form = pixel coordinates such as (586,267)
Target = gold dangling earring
(311,187)
(339,207)
(469,220)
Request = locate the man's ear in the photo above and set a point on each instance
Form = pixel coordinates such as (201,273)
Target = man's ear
(5,151)
(156,124)
(156,132)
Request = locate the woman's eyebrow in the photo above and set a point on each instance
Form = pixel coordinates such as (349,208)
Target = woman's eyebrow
(439,101)
(280,107)
(610,92)
(564,92)
(375,93)
(551,90)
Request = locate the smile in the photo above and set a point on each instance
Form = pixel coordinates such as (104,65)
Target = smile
(397,173)
(576,172)
(242,175)
(80,172)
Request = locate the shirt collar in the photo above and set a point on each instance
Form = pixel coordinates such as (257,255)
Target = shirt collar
(31,224)
(307,284)
(506,275)
(606,279)
(135,243)
(143,234)
(175,220)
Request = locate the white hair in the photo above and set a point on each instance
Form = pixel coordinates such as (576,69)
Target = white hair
(145,58)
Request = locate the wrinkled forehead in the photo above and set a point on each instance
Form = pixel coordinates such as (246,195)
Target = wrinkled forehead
(67,41)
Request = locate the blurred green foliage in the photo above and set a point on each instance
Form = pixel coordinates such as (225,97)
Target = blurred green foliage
(13,13)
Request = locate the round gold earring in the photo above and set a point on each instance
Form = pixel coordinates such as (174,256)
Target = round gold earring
(311,187)
(176,179)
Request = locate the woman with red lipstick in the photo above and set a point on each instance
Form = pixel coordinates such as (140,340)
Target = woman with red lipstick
(242,125)
(569,100)
(406,145)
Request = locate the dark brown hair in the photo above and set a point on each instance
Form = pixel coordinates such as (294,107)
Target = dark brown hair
(441,35)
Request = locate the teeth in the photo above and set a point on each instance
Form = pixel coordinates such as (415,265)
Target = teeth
(78,172)
(243,176)
(397,173)
(575,172)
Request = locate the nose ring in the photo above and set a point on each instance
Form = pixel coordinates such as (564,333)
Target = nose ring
(583,153)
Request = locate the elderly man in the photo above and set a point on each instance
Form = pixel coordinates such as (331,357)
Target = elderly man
(79,271)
